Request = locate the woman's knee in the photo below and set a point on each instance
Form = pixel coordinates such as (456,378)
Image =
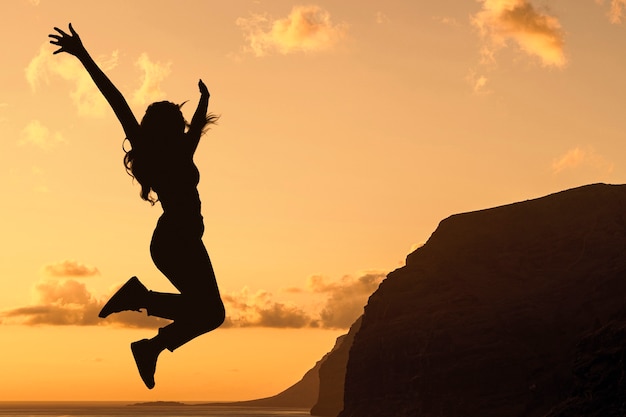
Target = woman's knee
(207,317)
(214,317)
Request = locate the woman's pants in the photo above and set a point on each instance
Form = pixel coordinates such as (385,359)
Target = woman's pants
(179,253)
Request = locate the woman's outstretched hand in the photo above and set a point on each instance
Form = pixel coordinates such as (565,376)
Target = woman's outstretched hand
(203,90)
(67,43)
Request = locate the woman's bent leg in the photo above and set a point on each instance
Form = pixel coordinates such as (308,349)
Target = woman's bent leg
(198,308)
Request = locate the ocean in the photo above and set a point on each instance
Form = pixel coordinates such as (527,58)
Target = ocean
(118,409)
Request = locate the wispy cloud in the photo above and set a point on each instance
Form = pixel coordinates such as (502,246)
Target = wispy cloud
(618,8)
(70,268)
(382,18)
(579,157)
(537,33)
(36,134)
(85,95)
(305,29)
(478,82)
(445,20)
(153,74)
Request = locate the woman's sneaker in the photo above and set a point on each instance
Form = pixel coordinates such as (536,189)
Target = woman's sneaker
(146,360)
(130,296)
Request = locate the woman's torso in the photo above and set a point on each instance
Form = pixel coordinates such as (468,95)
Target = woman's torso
(175,180)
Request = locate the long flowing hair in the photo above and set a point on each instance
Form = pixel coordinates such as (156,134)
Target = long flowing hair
(162,123)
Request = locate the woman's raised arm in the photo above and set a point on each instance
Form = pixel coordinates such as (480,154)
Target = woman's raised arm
(72,45)
(199,119)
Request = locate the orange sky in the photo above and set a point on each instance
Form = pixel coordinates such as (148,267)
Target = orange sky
(348,130)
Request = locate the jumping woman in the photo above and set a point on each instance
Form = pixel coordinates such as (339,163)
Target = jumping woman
(161,160)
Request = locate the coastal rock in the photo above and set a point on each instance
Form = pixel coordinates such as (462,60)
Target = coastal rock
(307,392)
(484,320)
(332,374)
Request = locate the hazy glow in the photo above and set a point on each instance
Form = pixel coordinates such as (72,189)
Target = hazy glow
(346,135)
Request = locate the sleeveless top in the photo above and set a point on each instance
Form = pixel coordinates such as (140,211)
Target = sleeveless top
(175,181)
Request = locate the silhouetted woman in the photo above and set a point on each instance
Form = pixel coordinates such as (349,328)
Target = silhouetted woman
(161,160)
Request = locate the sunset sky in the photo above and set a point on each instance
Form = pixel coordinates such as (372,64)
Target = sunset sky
(348,130)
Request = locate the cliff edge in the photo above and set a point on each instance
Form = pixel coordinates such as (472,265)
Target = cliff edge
(497,313)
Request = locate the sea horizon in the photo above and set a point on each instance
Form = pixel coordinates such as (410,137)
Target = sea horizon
(135,408)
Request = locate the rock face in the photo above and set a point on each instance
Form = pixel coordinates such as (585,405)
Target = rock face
(332,374)
(600,367)
(489,317)
(308,392)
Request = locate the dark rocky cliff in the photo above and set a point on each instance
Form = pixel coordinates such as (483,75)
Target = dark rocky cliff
(332,374)
(496,312)
(600,369)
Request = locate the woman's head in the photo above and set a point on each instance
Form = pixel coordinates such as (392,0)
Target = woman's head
(163,120)
(161,126)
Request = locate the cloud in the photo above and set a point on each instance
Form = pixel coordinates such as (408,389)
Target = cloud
(306,29)
(536,33)
(70,268)
(258,309)
(153,74)
(616,14)
(478,82)
(617,10)
(342,303)
(85,95)
(346,298)
(582,157)
(68,302)
(57,303)
(63,293)
(40,136)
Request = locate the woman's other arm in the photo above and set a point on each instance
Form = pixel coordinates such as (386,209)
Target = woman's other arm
(199,119)
(74,46)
